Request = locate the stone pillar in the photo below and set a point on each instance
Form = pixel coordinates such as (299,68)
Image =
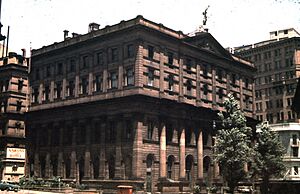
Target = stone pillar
(242,104)
(120,77)
(90,91)
(137,149)
(162,152)
(102,151)
(214,88)
(87,156)
(182,155)
(37,167)
(64,89)
(200,156)
(87,164)
(76,86)
(161,72)
(138,71)
(118,151)
(181,85)
(48,166)
(60,166)
(198,85)
(73,165)
(105,82)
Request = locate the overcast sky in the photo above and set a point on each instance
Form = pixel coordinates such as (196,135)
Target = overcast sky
(231,22)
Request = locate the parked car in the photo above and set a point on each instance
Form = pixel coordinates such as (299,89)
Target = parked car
(9,186)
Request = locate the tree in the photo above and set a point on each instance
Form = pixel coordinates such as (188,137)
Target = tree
(233,143)
(268,156)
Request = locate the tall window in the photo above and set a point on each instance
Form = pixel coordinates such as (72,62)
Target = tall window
(128,130)
(19,105)
(84,86)
(169,130)
(58,90)
(129,77)
(100,58)
(170,58)
(219,74)
(205,91)
(114,55)
(48,71)
(150,77)
(188,64)
(150,130)
(130,50)
(35,95)
(85,62)
(233,79)
(170,82)
(150,52)
(205,70)
(46,93)
(189,87)
(113,80)
(59,70)
(20,84)
(294,139)
(71,88)
(170,166)
(98,83)
(72,65)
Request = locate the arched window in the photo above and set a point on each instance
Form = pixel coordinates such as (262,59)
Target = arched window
(170,167)
(206,164)
(189,162)
(149,163)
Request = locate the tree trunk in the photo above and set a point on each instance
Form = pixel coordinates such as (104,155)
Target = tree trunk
(265,185)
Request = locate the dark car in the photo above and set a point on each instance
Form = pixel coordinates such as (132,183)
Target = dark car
(9,187)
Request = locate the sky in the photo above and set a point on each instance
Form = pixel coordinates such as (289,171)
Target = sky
(36,23)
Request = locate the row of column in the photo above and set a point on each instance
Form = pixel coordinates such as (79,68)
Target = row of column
(182,155)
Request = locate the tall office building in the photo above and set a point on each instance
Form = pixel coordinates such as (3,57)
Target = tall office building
(278,63)
(13,104)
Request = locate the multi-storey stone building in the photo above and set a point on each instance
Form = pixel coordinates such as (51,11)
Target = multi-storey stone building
(278,64)
(13,104)
(133,103)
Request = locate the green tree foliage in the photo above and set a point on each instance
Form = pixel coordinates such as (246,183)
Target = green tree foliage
(268,160)
(233,143)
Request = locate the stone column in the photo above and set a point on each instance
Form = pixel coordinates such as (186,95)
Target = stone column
(198,85)
(242,104)
(182,155)
(64,88)
(137,149)
(60,166)
(102,151)
(87,156)
(161,72)
(105,85)
(118,151)
(200,156)
(90,91)
(214,88)
(181,86)
(37,167)
(162,152)
(48,166)
(73,165)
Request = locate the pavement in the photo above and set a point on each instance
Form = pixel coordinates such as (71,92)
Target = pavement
(26,192)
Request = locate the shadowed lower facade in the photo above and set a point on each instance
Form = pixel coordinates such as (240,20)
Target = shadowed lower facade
(134,103)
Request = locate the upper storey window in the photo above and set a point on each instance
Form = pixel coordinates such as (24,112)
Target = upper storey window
(150,77)
(233,78)
(59,70)
(57,90)
(72,65)
(37,73)
(71,88)
(85,62)
(150,52)
(98,83)
(219,74)
(188,64)
(189,87)
(113,80)
(20,84)
(129,77)
(84,86)
(114,54)
(130,50)
(48,71)
(170,58)
(100,58)
(46,93)
(205,70)
(35,95)
(170,82)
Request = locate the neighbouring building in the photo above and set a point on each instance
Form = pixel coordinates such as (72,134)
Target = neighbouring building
(133,103)
(278,63)
(13,104)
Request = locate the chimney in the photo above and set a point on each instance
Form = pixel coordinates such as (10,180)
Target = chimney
(24,52)
(74,35)
(66,32)
(93,26)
